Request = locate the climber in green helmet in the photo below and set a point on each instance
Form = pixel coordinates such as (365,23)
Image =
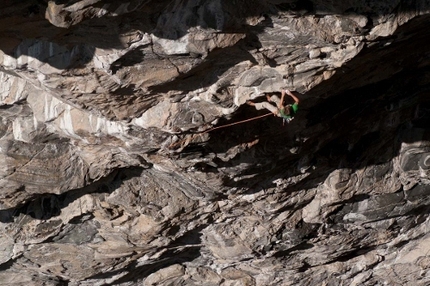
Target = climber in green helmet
(287,112)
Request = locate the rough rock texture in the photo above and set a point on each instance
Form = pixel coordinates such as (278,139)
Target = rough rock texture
(129,157)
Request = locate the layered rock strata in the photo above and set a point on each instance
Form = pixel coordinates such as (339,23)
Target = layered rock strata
(128,154)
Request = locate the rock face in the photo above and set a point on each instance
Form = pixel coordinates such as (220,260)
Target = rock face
(128,154)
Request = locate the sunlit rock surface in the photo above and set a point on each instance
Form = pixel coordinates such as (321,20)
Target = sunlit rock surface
(128,154)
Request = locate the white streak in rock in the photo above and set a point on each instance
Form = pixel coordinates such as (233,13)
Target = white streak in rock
(173,47)
(52,108)
(12,89)
(17,131)
(80,5)
(66,123)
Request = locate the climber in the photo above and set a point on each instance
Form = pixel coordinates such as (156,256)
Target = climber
(287,112)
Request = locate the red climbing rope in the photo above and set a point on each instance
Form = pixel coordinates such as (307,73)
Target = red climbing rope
(219,127)
(235,123)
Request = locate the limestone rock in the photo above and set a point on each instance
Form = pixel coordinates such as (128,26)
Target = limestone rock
(128,154)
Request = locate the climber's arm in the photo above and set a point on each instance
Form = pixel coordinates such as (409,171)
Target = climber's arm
(295,98)
(281,103)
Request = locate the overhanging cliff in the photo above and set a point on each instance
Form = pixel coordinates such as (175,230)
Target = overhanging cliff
(128,154)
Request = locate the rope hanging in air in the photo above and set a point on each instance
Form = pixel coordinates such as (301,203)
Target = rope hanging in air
(218,127)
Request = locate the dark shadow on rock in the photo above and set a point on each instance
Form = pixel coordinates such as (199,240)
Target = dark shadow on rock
(409,209)
(8,264)
(130,59)
(341,129)
(300,247)
(209,70)
(184,249)
(361,126)
(65,48)
(46,206)
(170,257)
